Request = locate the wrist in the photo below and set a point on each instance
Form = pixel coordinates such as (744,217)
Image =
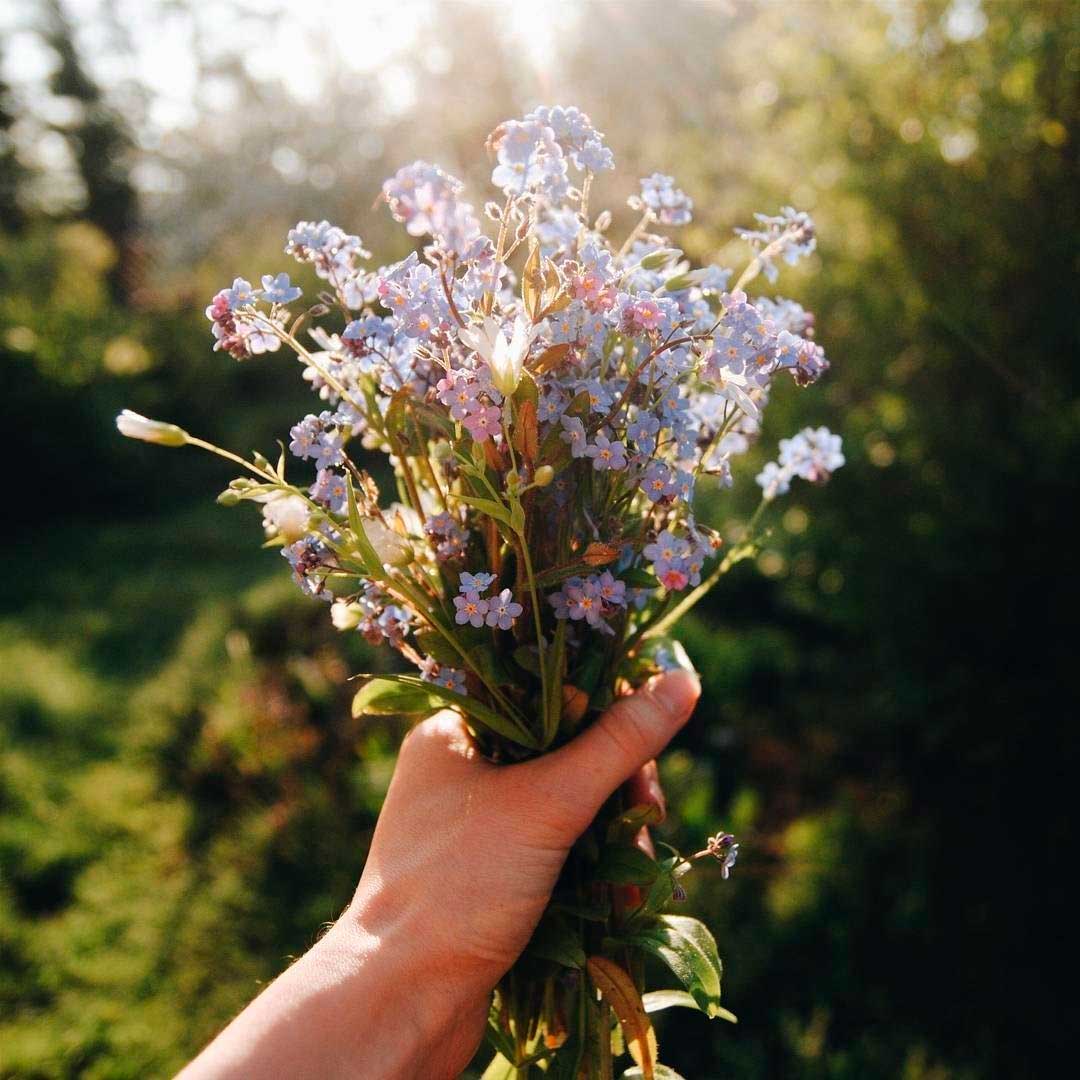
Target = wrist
(414,1013)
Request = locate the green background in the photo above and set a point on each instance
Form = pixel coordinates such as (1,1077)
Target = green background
(184,799)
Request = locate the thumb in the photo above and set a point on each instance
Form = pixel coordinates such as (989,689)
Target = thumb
(578,777)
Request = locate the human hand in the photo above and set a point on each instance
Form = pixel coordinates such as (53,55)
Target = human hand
(462,864)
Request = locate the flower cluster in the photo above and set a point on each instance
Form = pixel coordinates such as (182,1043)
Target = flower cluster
(813,454)
(497,611)
(551,403)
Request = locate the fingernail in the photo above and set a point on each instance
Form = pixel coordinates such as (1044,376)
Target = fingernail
(676,692)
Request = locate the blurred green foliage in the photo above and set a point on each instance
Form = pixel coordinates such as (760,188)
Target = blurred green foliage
(184,797)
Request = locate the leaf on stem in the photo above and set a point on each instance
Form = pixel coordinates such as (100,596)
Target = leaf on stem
(525,431)
(656,1000)
(689,950)
(408,695)
(618,990)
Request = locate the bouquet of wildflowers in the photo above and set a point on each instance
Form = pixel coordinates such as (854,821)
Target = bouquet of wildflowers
(550,400)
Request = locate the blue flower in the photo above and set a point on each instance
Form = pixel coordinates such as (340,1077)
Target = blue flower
(606,454)
(502,610)
(670,205)
(574,434)
(279,290)
(241,294)
(330,490)
(470,609)
(642,432)
(480,582)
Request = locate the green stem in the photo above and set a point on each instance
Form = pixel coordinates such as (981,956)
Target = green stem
(736,555)
(230,456)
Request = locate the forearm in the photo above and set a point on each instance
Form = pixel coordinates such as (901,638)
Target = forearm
(354,1005)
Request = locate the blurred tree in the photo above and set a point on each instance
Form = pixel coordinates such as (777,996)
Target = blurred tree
(11,170)
(100,144)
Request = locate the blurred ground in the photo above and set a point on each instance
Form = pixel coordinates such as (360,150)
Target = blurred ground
(885,721)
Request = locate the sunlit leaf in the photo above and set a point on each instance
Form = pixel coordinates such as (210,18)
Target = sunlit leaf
(618,990)
(689,950)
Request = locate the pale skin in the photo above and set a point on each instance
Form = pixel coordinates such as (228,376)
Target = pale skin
(461,866)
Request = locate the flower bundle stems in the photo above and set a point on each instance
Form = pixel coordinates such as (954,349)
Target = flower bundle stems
(549,419)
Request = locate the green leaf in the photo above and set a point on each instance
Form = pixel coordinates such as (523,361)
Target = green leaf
(368,556)
(488,506)
(517,515)
(395,412)
(500,1041)
(525,656)
(500,1069)
(555,939)
(636,578)
(408,695)
(388,697)
(621,864)
(556,672)
(628,824)
(656,1000)
(659,894)
(433,644)
(526,390)
(689,950)
(433,417)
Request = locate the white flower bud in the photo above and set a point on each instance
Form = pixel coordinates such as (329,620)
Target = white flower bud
(135,426)
(392,549)
(346,616)
(661,257)
(288,516)
(543,476)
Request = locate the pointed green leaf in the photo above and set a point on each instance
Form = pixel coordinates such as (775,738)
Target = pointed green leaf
(488,506)
(687,947)
(408,695)
(368,556)
(500,1068)
(656,1000)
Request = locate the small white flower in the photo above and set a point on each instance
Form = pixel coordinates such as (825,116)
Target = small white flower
(135,426)
(504,356)
(287,516)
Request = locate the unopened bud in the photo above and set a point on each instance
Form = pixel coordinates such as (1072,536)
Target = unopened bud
(543,476)
(661,257)
(603,221)
(135,426)
(392,549)
(228,498)
(289,517)
(346,616)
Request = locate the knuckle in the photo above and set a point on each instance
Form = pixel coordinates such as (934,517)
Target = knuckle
(623,727)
